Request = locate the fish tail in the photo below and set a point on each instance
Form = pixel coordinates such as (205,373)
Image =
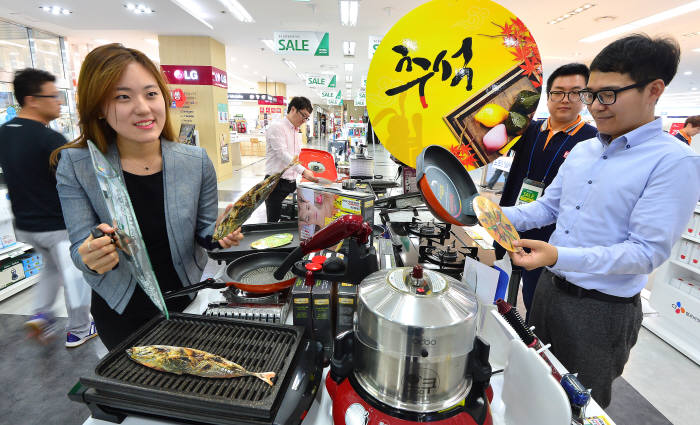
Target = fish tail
(265,376)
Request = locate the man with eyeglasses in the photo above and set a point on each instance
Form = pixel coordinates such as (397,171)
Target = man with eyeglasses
(25,145)
(282,146)
(541,151)
(619,202)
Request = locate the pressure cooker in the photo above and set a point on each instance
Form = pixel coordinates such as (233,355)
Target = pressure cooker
(414,331)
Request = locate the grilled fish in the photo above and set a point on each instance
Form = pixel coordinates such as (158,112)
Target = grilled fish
(181,360)
(246,204)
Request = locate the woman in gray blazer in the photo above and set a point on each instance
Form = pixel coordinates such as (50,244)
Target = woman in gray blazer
(123,108)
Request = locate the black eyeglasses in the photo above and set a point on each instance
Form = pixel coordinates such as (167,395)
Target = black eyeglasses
(54,96)
(558,96)
(607,96)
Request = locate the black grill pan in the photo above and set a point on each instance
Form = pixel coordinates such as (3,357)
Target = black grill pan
(255,346)
(253,232)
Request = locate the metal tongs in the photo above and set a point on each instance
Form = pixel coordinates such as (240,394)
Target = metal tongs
(119,238)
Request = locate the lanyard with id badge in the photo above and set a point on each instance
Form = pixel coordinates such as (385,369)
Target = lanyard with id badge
(531,189)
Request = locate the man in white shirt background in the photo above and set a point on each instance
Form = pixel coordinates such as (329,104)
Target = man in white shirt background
(282,147)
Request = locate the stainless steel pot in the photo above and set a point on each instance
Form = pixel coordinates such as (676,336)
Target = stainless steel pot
(412,338)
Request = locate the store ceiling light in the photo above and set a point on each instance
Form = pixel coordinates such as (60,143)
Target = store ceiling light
(55,10)
(9,43)
(194,10)
(348,12)
(349,48)
(349,67)
(348,78)
(571,13)
(139,9)
(270,44)
(238,11)
(289,63)
(688,73)
(348,85)
(649,20)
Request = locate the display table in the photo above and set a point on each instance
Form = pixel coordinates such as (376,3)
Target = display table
(320,411)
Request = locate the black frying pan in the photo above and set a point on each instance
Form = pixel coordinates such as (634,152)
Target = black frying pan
(446,187)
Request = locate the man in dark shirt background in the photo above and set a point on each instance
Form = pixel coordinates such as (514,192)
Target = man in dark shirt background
(25,145)
(541,151)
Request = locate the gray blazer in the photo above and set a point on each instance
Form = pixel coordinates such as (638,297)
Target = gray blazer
(189,186)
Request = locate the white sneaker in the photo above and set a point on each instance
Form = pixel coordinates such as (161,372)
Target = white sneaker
(73,340)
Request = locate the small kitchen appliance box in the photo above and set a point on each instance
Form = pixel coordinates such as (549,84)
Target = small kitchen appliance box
(320,204)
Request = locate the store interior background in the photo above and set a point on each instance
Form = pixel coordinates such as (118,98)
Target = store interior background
(661,375)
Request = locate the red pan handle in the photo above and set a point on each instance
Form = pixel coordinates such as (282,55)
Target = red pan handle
(343,227)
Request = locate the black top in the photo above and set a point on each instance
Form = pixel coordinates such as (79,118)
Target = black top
(554,154)
(25,147)
(682,138)
(148,201)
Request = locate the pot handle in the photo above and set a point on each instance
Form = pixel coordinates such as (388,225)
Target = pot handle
(341,362)
(209,283)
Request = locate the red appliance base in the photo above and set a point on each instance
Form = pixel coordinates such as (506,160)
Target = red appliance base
(349,408)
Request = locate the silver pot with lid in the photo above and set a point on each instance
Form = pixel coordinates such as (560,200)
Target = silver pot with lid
(413,334)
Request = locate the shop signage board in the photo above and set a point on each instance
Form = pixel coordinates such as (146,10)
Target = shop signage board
(252,96)
(307,43)
(361,98)
(439,66)
(373,44)
(195,75)
(275,100)
(330,94)
(675,128)
(320,81)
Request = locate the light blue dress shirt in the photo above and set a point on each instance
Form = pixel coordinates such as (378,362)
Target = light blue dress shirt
(619,207)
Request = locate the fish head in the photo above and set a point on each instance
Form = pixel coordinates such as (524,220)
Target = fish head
(145,354)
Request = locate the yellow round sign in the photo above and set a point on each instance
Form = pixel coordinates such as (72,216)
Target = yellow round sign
(463,74)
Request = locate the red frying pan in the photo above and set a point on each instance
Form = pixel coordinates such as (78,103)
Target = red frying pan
(254,272)
(446,187)
(321,163)
(251,273)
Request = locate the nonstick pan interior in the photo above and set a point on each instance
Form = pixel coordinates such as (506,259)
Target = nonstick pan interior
(446,186)
(254,272)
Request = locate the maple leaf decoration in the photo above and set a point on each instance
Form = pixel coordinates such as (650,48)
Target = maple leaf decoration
(465,155)
(522,46)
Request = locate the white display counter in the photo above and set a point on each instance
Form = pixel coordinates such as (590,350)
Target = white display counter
(494,329)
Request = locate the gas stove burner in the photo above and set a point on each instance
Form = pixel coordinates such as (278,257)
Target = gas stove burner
(448,255)
(235,295)
(428,230)
(447,258)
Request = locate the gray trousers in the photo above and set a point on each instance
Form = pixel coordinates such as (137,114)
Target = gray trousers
(58,270)
(590,337)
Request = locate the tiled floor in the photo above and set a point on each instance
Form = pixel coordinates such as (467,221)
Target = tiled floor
(658,381)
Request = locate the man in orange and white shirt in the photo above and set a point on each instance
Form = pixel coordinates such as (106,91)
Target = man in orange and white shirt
(690,129)
(282,146)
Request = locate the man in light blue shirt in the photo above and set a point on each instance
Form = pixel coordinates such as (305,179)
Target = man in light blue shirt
(619,202)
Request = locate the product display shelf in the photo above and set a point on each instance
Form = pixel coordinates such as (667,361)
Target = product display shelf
(678,303)
(19,286)
(14,250)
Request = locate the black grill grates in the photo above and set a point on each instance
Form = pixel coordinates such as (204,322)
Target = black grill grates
(256,347)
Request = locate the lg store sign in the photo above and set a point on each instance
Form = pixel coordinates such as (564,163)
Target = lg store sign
(195,75)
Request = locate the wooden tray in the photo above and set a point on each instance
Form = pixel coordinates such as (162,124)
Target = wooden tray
(502,92)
